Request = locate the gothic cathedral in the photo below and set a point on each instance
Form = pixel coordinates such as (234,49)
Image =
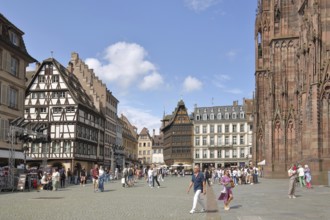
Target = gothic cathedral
(292,94)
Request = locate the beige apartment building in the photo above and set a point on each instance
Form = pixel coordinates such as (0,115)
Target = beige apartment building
(145,147)
(14,59)
(130,142)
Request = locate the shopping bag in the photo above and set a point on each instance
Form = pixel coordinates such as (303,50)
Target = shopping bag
(222,196)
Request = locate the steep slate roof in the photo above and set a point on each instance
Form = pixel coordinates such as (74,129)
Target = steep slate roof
(172,117)
(76,90)
(4,37)
(144,132)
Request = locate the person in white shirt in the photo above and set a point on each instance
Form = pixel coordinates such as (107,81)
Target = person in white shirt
(301,174)
(235,176)
(150,176)
(101,178)
(55,179)
(154,176)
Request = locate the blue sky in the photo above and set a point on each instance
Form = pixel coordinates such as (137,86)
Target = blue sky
(150,53)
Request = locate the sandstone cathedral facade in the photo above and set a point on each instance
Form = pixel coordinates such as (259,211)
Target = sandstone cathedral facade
(292,94)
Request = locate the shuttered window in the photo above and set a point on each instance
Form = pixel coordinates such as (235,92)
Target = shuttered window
(12,98)
(4,129)
(4,95)
(0,59)
(14,66)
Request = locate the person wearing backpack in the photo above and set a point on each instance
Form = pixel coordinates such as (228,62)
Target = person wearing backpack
(130,176)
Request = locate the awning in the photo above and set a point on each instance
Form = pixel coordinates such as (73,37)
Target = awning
(18,155)
(262,163)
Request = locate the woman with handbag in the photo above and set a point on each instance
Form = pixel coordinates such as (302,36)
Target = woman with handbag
(228,183)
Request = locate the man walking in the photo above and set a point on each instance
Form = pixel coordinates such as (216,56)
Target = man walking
(199,182)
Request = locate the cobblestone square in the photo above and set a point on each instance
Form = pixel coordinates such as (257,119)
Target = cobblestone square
(267,201)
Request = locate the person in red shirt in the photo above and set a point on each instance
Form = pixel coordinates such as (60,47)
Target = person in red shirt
(95,176)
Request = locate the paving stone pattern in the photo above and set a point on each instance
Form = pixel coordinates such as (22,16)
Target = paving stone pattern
(265,201)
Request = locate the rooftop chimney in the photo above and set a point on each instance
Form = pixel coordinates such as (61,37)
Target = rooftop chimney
(37,66)
(70,67)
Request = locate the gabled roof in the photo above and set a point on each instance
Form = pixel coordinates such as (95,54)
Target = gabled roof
(144,131)
(76,90)
(172,117)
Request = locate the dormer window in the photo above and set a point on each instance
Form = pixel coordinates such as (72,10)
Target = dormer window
(13,38)
(242,115)
(204,117)
(219,116)
(234,115)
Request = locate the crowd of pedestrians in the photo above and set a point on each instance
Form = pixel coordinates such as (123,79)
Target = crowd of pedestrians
(240,175)
(299,175)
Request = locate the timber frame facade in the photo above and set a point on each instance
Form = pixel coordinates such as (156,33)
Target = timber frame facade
(291,108)
(178,137)
(56,99)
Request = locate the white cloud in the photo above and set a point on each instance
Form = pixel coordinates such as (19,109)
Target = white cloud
(231,54)
(126,65)
(200,5)
(151,81)
(222,77)
(234,91)
(141,118)
(221,81)
(191,84)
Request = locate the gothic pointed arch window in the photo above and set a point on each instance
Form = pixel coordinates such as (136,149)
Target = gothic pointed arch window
(259,41)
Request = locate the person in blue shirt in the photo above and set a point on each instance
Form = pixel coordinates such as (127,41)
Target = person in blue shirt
(199,182)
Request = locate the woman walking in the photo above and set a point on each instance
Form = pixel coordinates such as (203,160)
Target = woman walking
(83,177)
(227,182)
(308,177)
(101,178)
(292,173)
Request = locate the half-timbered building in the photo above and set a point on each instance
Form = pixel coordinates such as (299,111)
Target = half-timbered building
(178,136)
(56,99)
